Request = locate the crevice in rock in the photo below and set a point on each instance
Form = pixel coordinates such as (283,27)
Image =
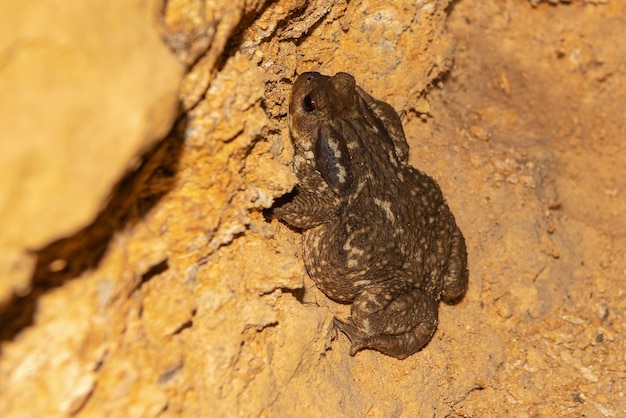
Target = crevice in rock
(185,325)
(170,373)
(154,270)
(298,293)
(237,35)
(299,15)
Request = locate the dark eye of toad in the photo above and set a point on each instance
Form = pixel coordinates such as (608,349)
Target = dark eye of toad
(308,103)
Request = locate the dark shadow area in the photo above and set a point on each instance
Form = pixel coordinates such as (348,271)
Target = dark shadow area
(154,271)
(296,293)
(269,214)
(67,258)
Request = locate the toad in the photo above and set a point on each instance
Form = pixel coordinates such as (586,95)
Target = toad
(377,233)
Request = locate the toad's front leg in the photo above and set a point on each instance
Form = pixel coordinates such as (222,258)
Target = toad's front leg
(392,317)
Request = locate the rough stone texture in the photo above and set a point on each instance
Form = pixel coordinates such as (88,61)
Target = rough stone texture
(180,299)
(555,2)
(84,88)
(538,94)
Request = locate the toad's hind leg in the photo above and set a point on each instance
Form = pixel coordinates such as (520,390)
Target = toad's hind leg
(456,277)
(394,318)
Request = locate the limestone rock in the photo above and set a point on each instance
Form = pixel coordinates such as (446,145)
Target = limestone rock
(84,88)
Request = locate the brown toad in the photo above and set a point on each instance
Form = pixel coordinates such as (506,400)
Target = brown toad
(377,232)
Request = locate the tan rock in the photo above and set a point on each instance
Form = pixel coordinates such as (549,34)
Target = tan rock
(84,88)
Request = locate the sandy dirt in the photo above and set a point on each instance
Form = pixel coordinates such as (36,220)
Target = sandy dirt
(539,95)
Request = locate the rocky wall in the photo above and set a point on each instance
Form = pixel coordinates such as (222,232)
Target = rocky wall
(142,143)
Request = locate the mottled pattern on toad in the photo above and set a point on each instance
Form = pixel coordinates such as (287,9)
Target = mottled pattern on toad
(377,233)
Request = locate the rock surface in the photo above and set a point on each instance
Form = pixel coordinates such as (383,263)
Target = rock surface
(177,297)
(84,89)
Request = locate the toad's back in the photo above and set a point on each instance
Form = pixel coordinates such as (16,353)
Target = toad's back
(378,232)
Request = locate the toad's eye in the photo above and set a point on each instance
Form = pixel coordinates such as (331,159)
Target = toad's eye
(308,103)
